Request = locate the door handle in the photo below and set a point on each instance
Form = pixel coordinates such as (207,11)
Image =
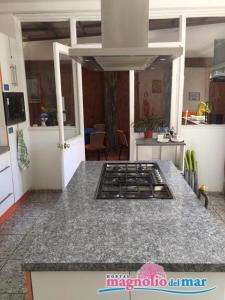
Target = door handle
(66,145)
(63,146)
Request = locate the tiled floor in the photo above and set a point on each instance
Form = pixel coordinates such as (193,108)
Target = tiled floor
(16,235)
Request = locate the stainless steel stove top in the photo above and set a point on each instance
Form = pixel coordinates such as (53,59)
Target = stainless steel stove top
(132,181)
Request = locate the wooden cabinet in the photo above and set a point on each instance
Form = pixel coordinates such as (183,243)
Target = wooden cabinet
(6,183)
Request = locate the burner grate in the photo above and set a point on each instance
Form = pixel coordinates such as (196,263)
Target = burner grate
(132,181)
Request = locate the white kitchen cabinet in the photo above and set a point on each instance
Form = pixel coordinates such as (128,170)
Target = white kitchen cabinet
(5,61)
(6,183)
(72,286)
(10,64)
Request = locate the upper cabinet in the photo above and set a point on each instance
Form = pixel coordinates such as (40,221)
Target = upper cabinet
(9,63)
(5,61)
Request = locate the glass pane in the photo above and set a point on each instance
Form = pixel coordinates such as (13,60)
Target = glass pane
(204,84)
(89,32)
(38,38)
(68,99)
(160,30)
(163,30)
(153,92)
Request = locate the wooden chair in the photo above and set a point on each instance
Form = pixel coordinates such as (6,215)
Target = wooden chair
(122,142)
(101,127)
(96,144)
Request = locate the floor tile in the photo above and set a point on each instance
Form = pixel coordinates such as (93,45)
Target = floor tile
(12,279)
(34,209)
(13,297)
(23,247)
(44,197)
(8,243)
(17,225)
(2,263)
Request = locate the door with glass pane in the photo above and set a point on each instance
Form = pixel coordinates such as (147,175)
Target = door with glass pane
(68,81)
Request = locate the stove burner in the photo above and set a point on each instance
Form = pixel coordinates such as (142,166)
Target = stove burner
(132,181)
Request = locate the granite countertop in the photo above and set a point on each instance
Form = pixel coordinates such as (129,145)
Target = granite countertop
(154,142)
(82,233)
(4,149)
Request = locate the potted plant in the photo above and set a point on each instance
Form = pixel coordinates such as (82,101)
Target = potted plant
(148,125)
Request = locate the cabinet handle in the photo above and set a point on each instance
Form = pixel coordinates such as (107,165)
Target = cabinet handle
(13,74)
(4,199)
(4,169)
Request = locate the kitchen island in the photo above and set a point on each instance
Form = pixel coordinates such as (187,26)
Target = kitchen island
(83,239)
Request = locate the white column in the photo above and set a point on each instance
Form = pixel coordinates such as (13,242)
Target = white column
(132,99)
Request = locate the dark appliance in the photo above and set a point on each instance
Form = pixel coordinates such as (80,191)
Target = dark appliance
(14,108)
(215,118)
(138,180)
(218,69)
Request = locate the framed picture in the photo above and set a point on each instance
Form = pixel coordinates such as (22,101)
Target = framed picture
(194,96)
(34,89)
(156,86)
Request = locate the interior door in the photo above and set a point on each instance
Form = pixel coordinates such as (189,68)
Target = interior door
(68,81)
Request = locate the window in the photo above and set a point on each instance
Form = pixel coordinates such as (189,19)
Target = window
(204,82)
(163,30)
(38,38)
(153,90)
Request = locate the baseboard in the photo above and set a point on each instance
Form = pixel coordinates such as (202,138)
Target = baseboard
(14,207)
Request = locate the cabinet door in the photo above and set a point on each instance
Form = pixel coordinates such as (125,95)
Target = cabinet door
(6,184)
(72,286)
(5,60)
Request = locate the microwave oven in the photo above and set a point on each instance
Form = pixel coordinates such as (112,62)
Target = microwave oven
(14,108)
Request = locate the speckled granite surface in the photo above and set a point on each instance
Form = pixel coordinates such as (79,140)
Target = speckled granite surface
(81,233)
(3,149)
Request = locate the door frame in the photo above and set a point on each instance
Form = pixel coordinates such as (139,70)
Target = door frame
(67,156)
(77,85)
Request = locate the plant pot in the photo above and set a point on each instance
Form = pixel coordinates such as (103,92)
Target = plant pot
(148,134)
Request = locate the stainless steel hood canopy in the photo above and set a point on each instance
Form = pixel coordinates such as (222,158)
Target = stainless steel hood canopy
(125,46)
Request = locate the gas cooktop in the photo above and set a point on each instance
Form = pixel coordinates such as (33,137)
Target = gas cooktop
(132,181)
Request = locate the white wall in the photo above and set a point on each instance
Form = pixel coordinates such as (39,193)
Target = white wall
(47,157)
(43,50)
(46,164)
(40,50)
(94,5)
(208,141)
(195,80)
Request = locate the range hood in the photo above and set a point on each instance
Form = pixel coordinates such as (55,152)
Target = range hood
(218,70)
(125,26)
